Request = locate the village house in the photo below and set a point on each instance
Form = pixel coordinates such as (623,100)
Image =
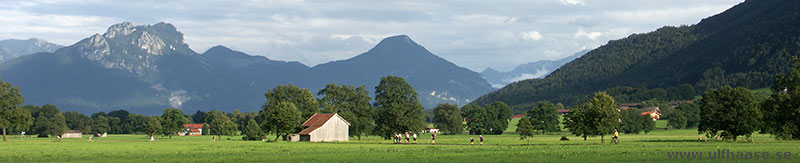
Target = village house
(431,130)
(653,112)
(72,134)
(324,127)
(563,111)
(192,130)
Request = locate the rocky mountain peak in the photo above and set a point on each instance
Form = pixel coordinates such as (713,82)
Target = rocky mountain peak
(124,28)
(135,49)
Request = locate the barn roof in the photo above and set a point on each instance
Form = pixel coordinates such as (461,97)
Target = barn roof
(316,121)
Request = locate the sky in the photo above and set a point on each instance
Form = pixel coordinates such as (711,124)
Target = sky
(475,34)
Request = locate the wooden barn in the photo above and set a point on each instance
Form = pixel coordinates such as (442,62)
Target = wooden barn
(324,127)
(72,134)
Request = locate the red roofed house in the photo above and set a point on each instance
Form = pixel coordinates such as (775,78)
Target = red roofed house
(325,127)
(430,130)
(563,111)
(653,112)
(518,116)
(192,130)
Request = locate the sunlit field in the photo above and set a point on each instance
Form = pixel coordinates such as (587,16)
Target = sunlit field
(652,147)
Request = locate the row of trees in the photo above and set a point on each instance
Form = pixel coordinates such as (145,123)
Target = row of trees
(732,112)
(490,119)
(396,109)
(725,113)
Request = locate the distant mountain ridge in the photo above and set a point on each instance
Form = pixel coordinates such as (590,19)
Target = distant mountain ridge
(746,45)
(12,48)
(537,69)
(147,68)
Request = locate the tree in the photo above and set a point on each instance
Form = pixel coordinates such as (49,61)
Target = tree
(631,121)
(649,123)
(281,120)
(21,117)
(121,114)
(152,126)
(350,103)
(578,122)
(100,125)
(499,114)
(731,111)
(302,99)
(691,112)
(220,124)
(782,108)
(544,117)
(206,129)
(172,121)
(241,119)
(524,128)
(447,118)
(57,125)
(477,118)
(598,117)
(603,111)
(199,116)
(76,121)
(252,131)
(677,120)
(10,99)
(398,107)
(114,125)
(135,123)
(41,126)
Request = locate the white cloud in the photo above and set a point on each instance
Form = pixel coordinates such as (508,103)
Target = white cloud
(572,2)
(539,74)
(590,35)
(531,35)
(487,19)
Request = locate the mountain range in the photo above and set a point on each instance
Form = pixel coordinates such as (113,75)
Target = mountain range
(537,69)
(147,68)
(12,48)
(746,45)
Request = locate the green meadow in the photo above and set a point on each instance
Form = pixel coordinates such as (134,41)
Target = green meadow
(652,147)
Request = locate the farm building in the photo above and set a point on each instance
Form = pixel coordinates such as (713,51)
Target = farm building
(324,127)
(653,112)
(676,103)
(431,130)
(192,130)
(72,134)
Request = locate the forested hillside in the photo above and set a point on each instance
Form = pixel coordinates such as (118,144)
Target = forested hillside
(738,47)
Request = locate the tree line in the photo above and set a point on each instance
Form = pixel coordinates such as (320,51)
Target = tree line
(724,113)
(396,109)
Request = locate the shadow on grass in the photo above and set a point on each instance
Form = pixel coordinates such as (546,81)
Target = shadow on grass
(667,141)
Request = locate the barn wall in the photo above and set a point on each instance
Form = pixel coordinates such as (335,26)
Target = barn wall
(335,129)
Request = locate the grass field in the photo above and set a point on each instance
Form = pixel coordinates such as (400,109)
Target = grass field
(653,147)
